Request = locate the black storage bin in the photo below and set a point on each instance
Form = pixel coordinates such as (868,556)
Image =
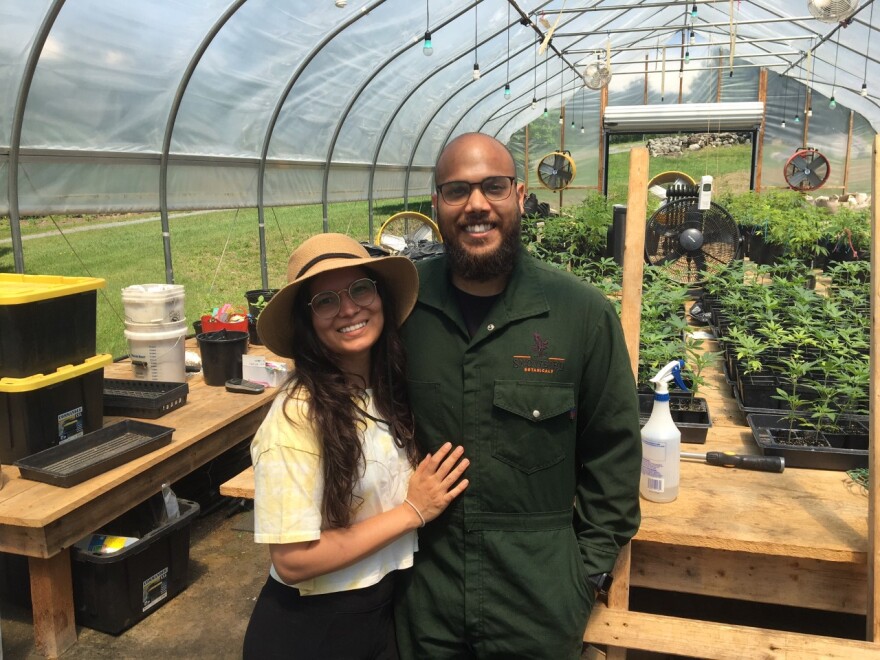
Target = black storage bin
(113,592)
(40,412)
(48,321)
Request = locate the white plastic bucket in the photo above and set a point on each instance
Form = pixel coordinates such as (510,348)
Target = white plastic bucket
(158,356)
(153,303)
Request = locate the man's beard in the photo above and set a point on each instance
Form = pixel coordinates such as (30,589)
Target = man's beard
(484,267)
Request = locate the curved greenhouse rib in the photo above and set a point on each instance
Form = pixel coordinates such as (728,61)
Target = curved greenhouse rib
(17,122)
(393,116)
(442,105)
(354,98)
(169,129)
(270,127)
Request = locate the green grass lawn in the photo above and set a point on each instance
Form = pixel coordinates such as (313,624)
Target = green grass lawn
(215,256)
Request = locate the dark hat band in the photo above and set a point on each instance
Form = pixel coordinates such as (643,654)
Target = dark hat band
(332,255)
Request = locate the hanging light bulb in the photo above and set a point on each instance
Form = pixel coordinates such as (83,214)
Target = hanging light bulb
(561,120)
(693,38)
(864,91)
(694,11)
(427,46)
(783,124)
(582,128)
(507,90)
(341,3)
(797,119)
(832,103)
(545,112)
(687,56)
(572,124)
(810,111)
(534,103)
(476,71)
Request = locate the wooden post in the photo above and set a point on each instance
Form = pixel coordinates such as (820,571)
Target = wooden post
(718,79)
(603,103)
(873,632)
(52,596)
(561,144)
(807,106)
(630,319)
(848,153)
(759,148)
(526,162)
(645,91)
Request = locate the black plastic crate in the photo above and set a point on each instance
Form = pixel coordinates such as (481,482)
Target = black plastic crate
(93,454)
(146,399)
(48,321)
(42,411)
(113,592)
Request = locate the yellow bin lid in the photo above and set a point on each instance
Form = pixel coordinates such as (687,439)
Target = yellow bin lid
(17,289)
(68,371)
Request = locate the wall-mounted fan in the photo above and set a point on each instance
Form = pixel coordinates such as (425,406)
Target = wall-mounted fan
(689,243)
(407,229)
(597,74)
(806,170)
(832,11)
(556,170)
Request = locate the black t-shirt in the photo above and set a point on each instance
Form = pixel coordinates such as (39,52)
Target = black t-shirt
(473,308)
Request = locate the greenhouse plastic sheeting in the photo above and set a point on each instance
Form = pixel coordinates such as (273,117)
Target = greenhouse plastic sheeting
(257,102)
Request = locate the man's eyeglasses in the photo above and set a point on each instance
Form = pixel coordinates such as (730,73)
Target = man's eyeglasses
(494,188)
(326,304)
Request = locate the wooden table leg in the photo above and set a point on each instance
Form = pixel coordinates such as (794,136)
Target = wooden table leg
(52,599)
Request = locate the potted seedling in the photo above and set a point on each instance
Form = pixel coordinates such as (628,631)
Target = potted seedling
(257,299)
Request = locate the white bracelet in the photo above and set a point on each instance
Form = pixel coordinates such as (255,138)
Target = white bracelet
(416,509)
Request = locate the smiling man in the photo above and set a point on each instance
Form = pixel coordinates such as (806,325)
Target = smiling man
(526,367)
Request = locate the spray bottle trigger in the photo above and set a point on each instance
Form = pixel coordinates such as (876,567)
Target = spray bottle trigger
(676,375)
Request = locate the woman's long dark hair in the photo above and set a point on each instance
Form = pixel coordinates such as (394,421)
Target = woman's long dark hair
(337,410)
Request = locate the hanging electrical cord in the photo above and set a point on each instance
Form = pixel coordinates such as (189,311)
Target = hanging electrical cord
(583,103)
(476,59)
(797,107)
(545,84)
(833,103)
(535,79)
(507,61)
(561,85)
(811,73)
(784,102)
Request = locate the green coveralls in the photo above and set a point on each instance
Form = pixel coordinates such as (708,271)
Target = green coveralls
(543,400)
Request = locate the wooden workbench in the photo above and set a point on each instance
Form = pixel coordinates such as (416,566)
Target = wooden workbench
(798,538)
(42,521)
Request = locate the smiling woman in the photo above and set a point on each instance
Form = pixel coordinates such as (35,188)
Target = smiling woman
(337,498)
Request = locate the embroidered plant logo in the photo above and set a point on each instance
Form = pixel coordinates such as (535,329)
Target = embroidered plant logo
(538,363)
(541,345)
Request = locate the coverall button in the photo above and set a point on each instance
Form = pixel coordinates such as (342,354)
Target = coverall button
(536,414)
(490,327)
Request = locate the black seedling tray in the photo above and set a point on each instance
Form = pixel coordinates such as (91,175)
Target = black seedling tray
(75,461)
(142,398)
(775,435)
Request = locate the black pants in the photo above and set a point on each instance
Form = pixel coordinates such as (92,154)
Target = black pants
(348,625)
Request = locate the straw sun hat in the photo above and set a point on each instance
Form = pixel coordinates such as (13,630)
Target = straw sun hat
(326,252)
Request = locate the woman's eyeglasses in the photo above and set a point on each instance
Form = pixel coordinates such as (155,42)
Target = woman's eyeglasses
(494,188)
(326,304)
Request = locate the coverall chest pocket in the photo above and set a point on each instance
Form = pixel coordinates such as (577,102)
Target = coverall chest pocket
(532,423)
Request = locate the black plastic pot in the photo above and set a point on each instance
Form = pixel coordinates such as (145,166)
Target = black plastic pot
(255,306)
(221,353)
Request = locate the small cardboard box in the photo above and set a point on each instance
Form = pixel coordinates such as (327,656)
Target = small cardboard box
(260,370)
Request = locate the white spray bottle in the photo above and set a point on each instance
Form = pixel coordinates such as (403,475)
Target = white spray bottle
(661,441)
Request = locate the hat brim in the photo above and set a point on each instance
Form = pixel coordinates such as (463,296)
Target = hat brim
(396,274)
